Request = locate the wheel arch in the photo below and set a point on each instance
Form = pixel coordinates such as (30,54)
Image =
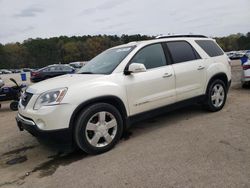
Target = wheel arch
(109,99)
(221,76)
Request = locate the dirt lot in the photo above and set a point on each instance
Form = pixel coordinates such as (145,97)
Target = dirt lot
(185,148)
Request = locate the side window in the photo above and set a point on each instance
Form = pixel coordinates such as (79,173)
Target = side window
(66,69)
(151,56)
(52,69)
(182,51)
(58,69)
(46,70)
(210,47)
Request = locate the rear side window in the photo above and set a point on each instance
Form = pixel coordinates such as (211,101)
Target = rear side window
(66,69)
(210,47)
(151,56)
(182,51)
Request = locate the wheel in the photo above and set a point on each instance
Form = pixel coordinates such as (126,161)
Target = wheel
(14,105)
(98,128)
(245,85)
(216,96)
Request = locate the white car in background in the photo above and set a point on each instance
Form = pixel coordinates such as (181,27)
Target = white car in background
(5,71)
(245,79)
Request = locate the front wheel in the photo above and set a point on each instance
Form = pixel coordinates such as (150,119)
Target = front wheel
(216,96)
(98,128)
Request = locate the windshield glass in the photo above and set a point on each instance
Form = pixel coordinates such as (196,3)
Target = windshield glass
(106,62)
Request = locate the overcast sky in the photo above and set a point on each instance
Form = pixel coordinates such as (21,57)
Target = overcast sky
(23,19)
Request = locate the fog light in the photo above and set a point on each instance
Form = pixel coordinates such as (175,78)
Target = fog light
(40,124)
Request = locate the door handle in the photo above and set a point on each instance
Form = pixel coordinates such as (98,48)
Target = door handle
(200,68)
(166,75)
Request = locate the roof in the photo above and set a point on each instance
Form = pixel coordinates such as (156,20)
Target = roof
(181,36)
(160,38)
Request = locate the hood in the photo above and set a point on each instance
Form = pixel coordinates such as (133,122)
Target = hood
(62,81)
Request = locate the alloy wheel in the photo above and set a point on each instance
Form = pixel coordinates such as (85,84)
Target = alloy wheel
(217,95)
(101,129)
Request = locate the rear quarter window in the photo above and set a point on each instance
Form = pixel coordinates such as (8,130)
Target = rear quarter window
(182,51)
(210,47)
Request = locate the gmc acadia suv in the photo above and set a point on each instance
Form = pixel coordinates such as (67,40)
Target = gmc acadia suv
(124,84)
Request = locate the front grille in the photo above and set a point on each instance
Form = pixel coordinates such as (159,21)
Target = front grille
(25,98)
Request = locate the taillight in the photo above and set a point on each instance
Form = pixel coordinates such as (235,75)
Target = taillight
(34,73)
(246,67)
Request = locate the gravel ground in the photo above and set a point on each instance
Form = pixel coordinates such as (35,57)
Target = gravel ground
(185,148)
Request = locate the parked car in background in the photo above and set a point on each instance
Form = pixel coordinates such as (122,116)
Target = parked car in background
(245,78)
(76,65)
(230,54)
(5,71)
(15,70)
(248,53)
(50,72)
(27,70)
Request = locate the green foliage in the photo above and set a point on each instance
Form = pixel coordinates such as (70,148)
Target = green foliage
(36,53)
(235,42)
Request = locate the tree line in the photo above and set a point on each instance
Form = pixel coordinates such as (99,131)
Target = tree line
(36,53)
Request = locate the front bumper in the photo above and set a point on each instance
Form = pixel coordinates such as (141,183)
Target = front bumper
(29,125)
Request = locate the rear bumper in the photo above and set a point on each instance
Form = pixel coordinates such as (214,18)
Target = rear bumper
(62,135)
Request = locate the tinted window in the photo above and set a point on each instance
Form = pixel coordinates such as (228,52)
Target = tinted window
(210,47)
(67,69)
(52,69)
(182,51)
(45,70)
(49,69)
(151,56)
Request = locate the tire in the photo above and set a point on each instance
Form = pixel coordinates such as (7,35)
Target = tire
(98,128)
(14,106)
(216,95)
(245,85)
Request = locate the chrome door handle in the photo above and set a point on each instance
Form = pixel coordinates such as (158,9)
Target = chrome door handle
(200,68)
(166,75)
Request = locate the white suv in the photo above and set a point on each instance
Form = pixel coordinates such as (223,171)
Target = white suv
(125,84)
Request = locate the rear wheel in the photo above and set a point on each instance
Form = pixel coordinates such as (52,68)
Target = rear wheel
(216,96)
(98,128)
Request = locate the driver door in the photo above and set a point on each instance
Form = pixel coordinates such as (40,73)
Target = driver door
(153,88)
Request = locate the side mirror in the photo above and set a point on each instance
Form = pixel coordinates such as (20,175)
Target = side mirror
(136,67)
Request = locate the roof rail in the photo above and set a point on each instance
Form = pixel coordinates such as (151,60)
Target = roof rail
(177,36)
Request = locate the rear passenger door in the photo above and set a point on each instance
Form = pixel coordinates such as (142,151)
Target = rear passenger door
(188,68)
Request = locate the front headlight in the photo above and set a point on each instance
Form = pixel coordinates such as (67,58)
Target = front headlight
(52,97)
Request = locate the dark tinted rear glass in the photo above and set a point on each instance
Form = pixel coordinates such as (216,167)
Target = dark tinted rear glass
(182,51)
(210,47)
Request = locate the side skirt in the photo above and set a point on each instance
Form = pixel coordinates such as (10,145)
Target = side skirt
(162,110)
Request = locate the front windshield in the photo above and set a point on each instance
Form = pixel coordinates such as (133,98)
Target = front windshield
(106,62)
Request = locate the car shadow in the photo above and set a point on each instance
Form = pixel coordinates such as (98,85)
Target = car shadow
(163,120)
